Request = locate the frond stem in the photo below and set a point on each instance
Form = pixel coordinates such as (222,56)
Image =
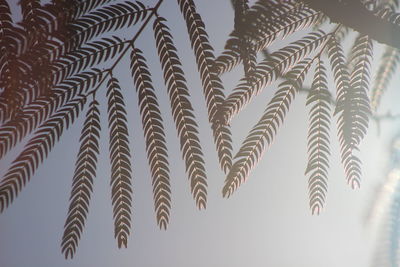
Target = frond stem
(135,37)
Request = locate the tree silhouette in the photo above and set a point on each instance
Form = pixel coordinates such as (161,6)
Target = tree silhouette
(49,73)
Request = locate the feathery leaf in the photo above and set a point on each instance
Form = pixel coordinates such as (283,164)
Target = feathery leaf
(318,139)
(121,173)
(265,130)
(82,183)
(212,85)
(155,138)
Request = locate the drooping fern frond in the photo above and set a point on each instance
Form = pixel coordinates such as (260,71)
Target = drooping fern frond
(384,74)
(269,70)
(359,87)
(345,115)
(36,150)
(182,112)
(82,183)
(283,20)
(105,19)
(318,139)
(263,133)
(212,85)
(121,173)
(247,52)
(37,112)
(155,138)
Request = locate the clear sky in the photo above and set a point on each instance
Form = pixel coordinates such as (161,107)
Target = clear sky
(266,223)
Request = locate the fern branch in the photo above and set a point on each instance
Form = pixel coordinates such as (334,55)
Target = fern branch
(264,131)
(82,183)
(36,150)
(121,173)
(212,85)
(182,112)
(318,139)
(387,68)
(269,70)
(155,138)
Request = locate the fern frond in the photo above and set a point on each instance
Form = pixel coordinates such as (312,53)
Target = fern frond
(182,112)
(37,112)
(346,109)
(36,150)
(284,23)
(82,183)
(121,173)
(155,138)
(318,139)
(265,130)
(384,74)
(359,87)
(106,19)
(247,53)
(212,85)
(86,56)
(269,70)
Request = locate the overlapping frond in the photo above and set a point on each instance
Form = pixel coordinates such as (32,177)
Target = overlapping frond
(263,133)
(105,19)
(359,87)
(384,74)
(155,137)
(182,112)
(280,20)
(269,70)
(318,139)
(121,173)
(212,85)
(345,110)
(82,183)
(36,150)
(247,52)
(34,114)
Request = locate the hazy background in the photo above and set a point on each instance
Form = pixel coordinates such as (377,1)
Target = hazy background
(267,222)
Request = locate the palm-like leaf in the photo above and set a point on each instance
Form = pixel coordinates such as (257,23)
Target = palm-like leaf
(34,114)
(318,139)
(264,131)
(387,68)
(280,20)
(269,70)
(155,137)
(182,112)
(344,110)
(82,183)
(36,150)
(121,173)
(212,85)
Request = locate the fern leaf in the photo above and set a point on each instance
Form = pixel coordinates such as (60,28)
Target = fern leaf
(264,131)
(37,112)
(155,138)
(82,183)
(182,113)
(121,173)
(359,84)
(345,109)
(105,19)
(269,70)
(318,139)
(384,74)
(36,150)
(212,85)
(284,23)
(247,53)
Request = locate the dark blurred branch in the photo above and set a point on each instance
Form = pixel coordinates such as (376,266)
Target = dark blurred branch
(354,14)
